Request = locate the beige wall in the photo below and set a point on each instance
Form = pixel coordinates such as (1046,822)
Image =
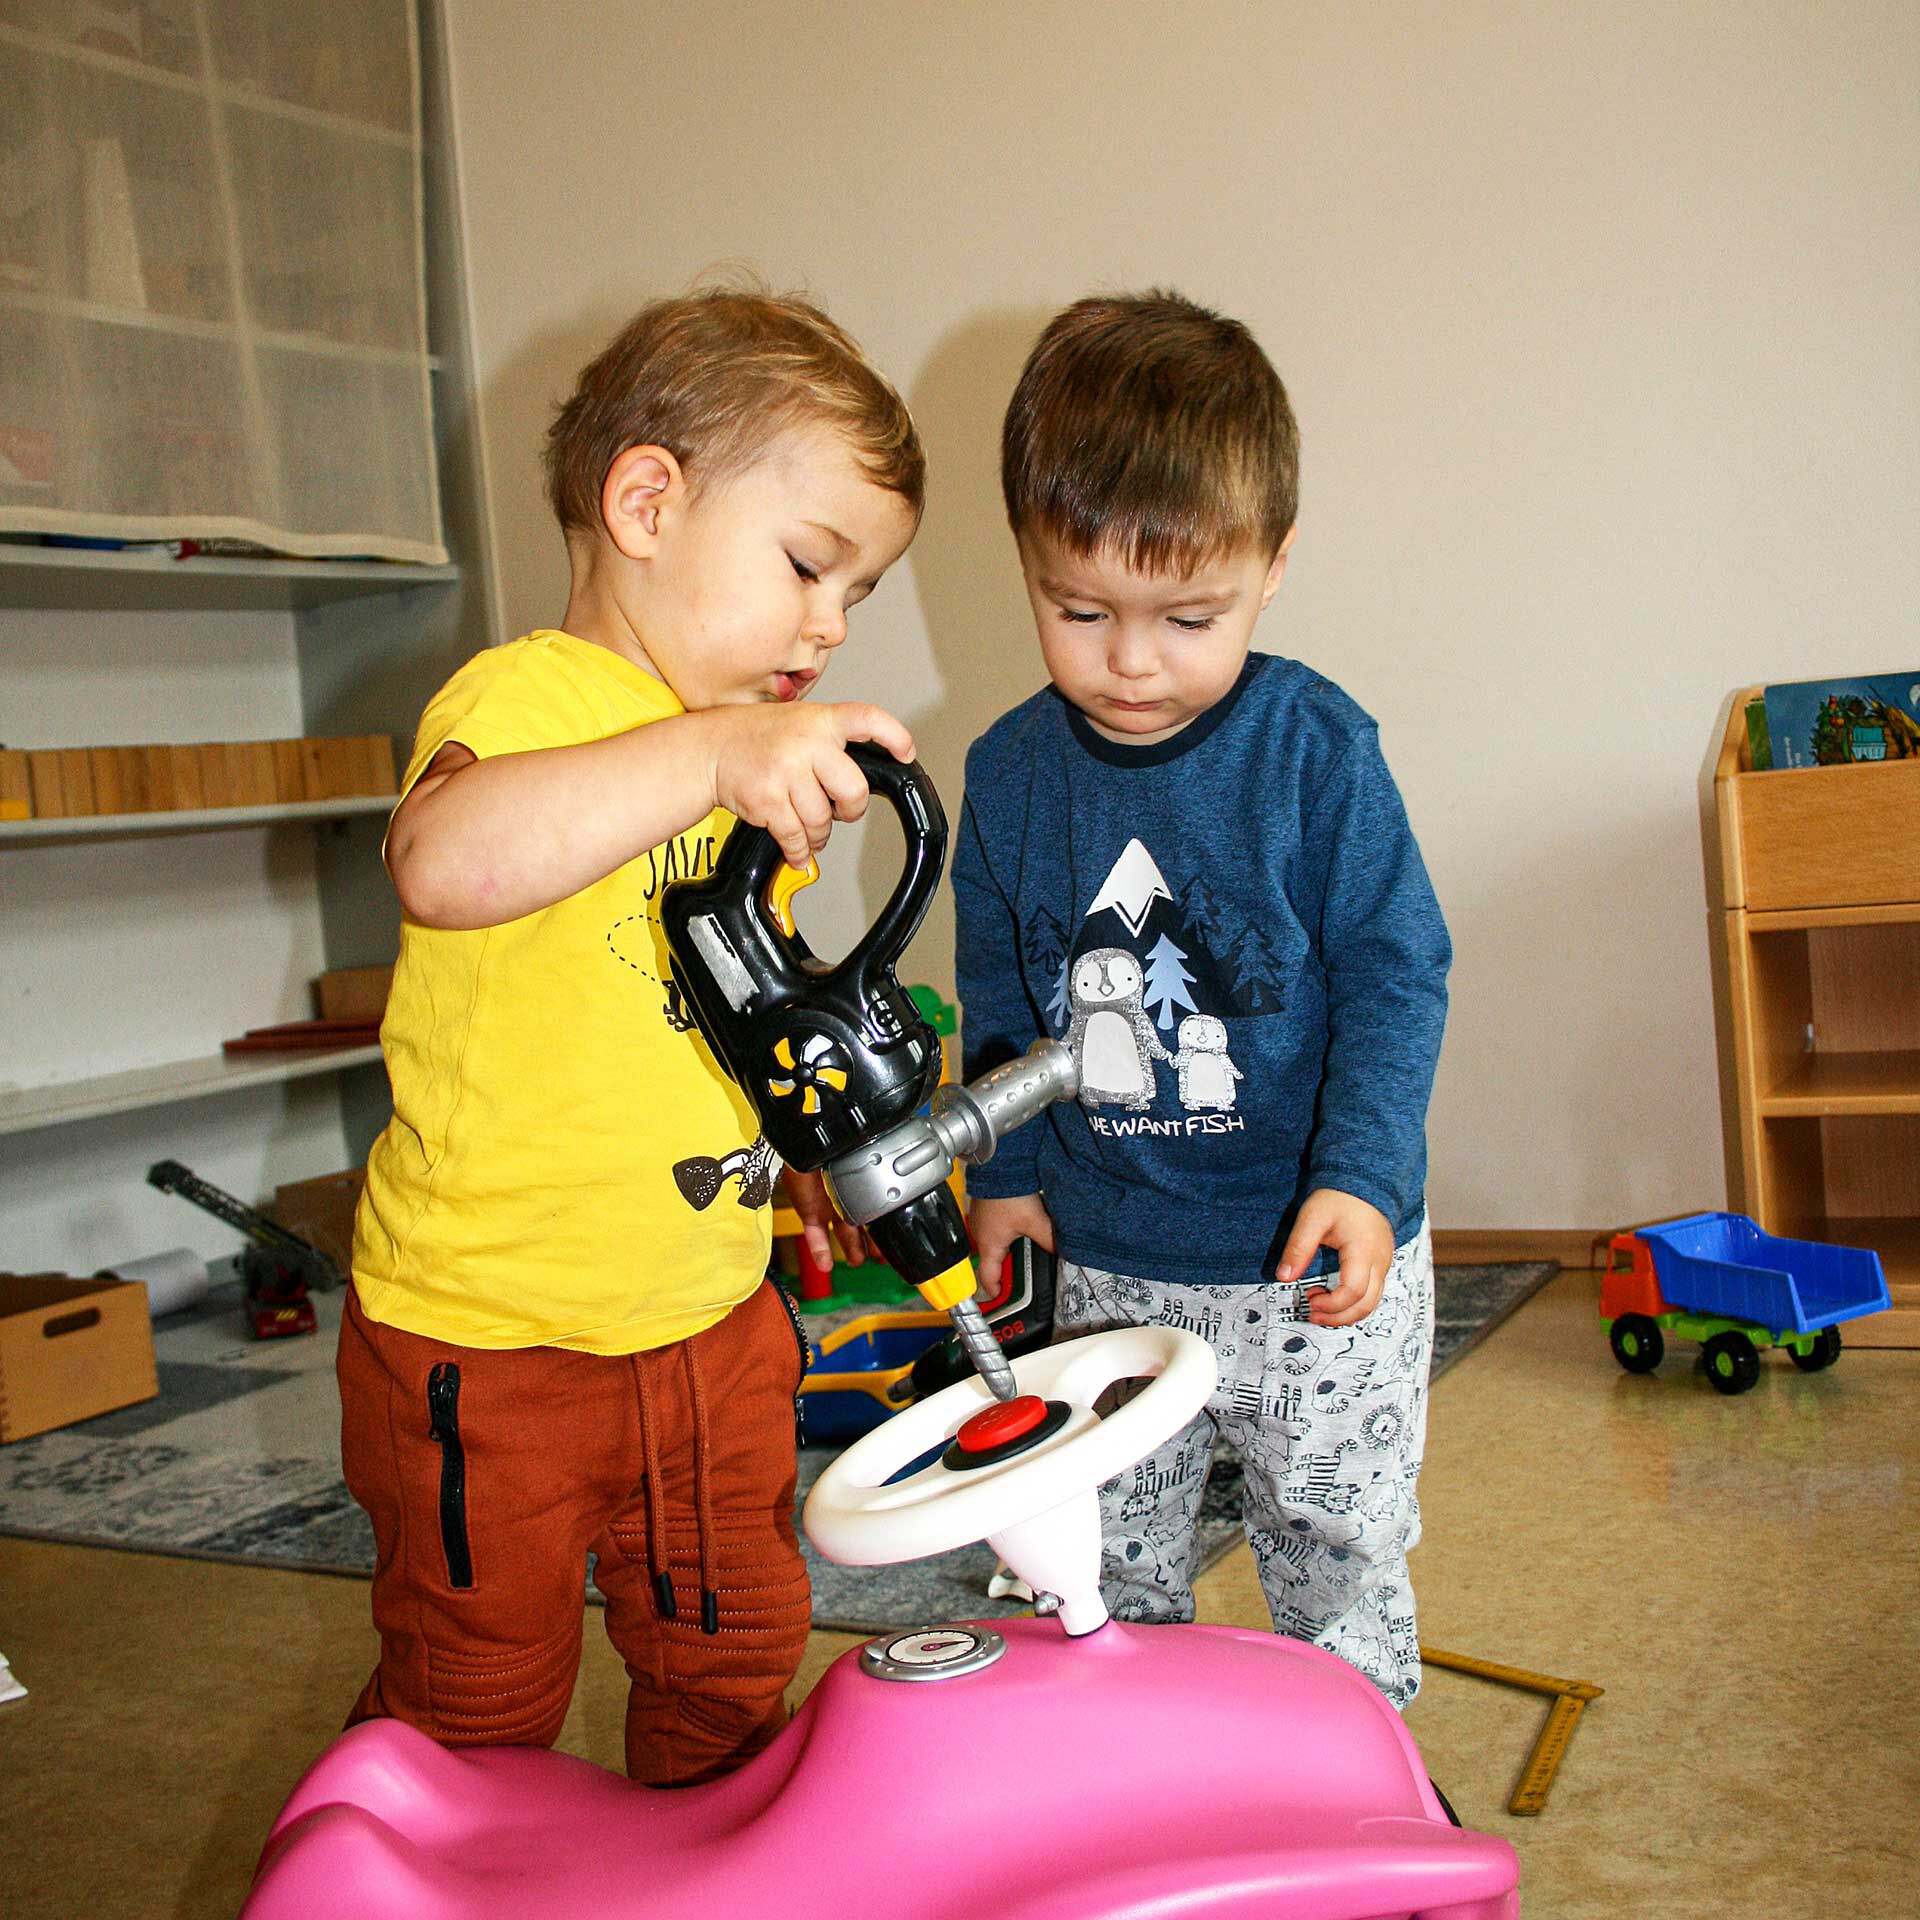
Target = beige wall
(1600,322)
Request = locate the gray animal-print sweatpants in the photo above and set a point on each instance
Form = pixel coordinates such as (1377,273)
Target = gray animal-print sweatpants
(1329,1423)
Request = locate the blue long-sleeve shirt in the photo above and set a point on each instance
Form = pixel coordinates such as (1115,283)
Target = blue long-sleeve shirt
(1234,931)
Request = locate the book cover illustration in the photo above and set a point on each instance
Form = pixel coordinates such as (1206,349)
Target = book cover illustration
(1836,723)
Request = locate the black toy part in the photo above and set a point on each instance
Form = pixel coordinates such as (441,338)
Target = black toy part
(828,1056)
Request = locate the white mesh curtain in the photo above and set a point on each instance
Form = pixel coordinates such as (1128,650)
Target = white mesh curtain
(212,299)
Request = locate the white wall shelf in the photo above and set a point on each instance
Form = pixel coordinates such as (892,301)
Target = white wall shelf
(27,1108)
(105,912)
(130,826)
(94,580)
(196,327)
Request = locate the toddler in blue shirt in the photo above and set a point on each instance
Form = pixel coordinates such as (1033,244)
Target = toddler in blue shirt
(1188,861)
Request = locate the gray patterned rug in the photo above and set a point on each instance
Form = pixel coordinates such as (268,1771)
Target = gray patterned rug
(238,1459)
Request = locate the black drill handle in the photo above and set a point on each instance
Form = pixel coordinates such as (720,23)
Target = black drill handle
(828,1056)
(752,856)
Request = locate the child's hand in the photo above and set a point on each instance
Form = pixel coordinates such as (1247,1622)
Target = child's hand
(1362,1236)
(786,768)
(997,1224)
(818,1218)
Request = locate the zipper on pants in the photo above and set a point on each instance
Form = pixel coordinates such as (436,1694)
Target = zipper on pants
(443,1419)
(805,1345)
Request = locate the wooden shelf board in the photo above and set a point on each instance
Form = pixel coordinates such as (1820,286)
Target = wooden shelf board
(1824,1084)
(27,1108)
(92,580)
(1800,919)
(129,826)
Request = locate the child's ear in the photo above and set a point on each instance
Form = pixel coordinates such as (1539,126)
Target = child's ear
(1277,571)
(642,484)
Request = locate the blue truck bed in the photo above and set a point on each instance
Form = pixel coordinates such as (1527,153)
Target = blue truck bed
(1722,1263)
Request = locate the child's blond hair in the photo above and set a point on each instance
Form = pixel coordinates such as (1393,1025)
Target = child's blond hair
(715,377)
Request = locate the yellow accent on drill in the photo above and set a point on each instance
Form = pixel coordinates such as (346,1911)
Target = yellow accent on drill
(947,1290)
(780,891)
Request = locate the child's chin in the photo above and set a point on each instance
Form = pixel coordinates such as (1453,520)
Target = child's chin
(1142,728)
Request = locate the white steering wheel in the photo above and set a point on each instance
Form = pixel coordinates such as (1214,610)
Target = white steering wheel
(1039,1510)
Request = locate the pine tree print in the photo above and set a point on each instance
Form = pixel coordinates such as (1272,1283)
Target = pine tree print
(1044,945)
(1167,984)
(1060,1007)
(1258,972)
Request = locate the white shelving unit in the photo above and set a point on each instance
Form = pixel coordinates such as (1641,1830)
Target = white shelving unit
(189,328)
(83,579)
(134,826)
(31,1108)
(120,920)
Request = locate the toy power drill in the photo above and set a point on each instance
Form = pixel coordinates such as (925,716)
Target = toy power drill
(837,1061)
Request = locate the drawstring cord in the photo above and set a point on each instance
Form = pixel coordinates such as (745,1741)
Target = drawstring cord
(702,1491)
(656,1498)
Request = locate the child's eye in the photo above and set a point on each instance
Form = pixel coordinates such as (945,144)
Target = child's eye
(1077,618)
(800,567)
(1193,625)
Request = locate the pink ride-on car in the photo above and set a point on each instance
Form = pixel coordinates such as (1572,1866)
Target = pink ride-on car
(1062,1768)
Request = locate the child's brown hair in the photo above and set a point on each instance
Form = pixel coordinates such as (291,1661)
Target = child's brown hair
(716,376)
(1149,427)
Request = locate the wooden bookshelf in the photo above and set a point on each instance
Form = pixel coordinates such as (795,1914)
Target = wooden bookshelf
(1814,888)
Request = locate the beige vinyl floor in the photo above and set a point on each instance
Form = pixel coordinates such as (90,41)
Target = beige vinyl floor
(1739,1575)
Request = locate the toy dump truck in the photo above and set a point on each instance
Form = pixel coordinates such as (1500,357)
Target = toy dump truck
(1717,1279)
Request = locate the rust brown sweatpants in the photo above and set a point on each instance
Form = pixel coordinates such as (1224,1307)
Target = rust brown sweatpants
(488,1475)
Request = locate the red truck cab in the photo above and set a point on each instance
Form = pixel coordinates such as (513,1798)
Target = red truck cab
(1631,1288)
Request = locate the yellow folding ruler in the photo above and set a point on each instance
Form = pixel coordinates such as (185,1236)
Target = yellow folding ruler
(1569,1698)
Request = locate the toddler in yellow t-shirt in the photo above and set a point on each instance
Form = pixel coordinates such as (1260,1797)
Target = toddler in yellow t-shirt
(559,1336)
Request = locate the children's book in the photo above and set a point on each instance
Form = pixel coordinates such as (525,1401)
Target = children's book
(1835,723)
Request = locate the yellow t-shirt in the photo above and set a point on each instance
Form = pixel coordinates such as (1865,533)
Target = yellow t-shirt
(567,1164)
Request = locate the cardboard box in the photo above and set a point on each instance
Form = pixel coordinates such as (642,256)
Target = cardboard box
(352,993)
(70,1349)
(321,1211)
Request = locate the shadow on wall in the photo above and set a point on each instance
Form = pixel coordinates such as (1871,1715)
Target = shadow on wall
(525,394)
(979,627)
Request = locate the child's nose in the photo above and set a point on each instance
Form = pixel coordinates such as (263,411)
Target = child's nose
(1130,653)
(827,626)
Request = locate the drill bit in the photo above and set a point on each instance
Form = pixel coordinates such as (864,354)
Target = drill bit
(976,1338)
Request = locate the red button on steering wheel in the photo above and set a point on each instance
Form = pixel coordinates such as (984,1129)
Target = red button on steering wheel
(994,1426)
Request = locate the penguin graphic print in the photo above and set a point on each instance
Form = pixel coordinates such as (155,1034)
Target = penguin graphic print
(1207,1074)
(1112,1040)
(1151,981)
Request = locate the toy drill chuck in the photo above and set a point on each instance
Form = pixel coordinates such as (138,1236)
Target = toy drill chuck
(896,1187)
